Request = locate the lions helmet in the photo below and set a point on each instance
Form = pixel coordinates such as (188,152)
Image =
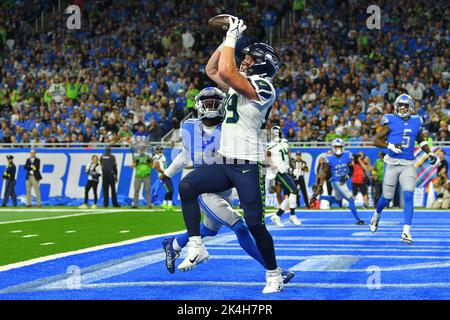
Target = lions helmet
(267,61)
(210,103)
(403,106)
(277,134)
(338,146)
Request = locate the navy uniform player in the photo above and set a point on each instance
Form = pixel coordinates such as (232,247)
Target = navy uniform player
(200,142)
(398,134)
(278,156)
(340,164)
(250,95)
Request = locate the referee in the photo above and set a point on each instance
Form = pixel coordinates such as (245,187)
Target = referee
(300,168)
(10,176)
(109,174)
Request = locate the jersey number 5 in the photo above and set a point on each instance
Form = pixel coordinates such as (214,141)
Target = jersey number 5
(406,138)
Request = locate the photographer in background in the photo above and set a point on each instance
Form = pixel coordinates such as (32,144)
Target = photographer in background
(109,173)
(442,185)
(93,170)
(299,169)
(360,177)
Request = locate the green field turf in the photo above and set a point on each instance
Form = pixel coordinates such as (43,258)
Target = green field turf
(87,228)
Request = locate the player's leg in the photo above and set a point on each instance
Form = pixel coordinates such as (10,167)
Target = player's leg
(390,179)
(249,181)
(147,187)
(95,189)
(345,193)
(168,185)
(105,183)
(276,218)
(13,194)
(407,179)
(206,179)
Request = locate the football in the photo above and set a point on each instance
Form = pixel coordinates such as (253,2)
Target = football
(219,24)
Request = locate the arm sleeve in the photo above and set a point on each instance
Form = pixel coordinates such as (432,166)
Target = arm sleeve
(176,166)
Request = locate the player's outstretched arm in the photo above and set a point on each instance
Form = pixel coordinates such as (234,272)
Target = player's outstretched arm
(230,75)
(212,69)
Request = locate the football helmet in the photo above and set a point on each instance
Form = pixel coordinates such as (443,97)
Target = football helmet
(210,103)
(267,62)
(403,106)
(338,146)
(277,134)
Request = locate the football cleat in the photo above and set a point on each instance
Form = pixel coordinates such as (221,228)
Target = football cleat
(171,254)
(94,206)
(83,206)
(294,220)
(374,222)
(360,222)
(407,238)
(287,275)
(274,281)
(277,221)
(196,255)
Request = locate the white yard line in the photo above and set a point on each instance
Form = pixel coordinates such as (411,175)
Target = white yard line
(80,251)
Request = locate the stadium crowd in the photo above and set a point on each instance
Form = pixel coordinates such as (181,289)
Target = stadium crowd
(134,68)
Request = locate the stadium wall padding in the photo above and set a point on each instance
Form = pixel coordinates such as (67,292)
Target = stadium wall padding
(63,172)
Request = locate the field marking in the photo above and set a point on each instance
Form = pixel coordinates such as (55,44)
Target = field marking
(47,244)
(376,239)
(414,228)
(70,231)
(30,236)
(16,231)
(360,249)
(255,284)
(334,263)
(124,231)
(85,250)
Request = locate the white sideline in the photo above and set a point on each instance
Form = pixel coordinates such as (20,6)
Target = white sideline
(80,251)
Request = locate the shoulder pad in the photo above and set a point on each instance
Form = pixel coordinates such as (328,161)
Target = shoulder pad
(386,119)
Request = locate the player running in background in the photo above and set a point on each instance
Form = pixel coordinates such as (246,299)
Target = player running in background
(278,157)
(398,133)
(250,95)
(340,164)
(200,142)
(160,165)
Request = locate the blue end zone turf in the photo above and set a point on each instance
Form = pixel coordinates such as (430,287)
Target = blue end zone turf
(333,259)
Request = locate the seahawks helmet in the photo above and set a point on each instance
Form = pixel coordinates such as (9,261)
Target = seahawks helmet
(267,61)
(277,134)
(338,146)
(403,106)
(210,103)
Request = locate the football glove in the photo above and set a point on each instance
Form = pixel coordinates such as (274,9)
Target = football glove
(432,158)
(235,31)
(343,179)
(396,148)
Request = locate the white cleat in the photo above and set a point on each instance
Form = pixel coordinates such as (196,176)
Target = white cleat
(83,206)
(374,222)
(294,220)
(277,221)
(274,281)
(407,238)
(197,254)
(94,206)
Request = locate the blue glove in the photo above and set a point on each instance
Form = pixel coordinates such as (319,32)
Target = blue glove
(156,187)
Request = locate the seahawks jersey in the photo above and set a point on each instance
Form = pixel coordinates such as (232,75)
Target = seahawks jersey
(245,121)
(339,165)
(161,159)
(402,132)
(200,143)
(279,155)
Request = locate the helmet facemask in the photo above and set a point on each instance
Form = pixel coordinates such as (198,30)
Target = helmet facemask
(403,110)
(210,105)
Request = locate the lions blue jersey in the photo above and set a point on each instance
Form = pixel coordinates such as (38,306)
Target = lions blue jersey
(402,132)
(339,165)
(200,144)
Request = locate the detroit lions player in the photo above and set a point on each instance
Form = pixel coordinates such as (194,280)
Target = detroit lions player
(398,133)
(340,164)
(250,95)
(278,156)
(200,141)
